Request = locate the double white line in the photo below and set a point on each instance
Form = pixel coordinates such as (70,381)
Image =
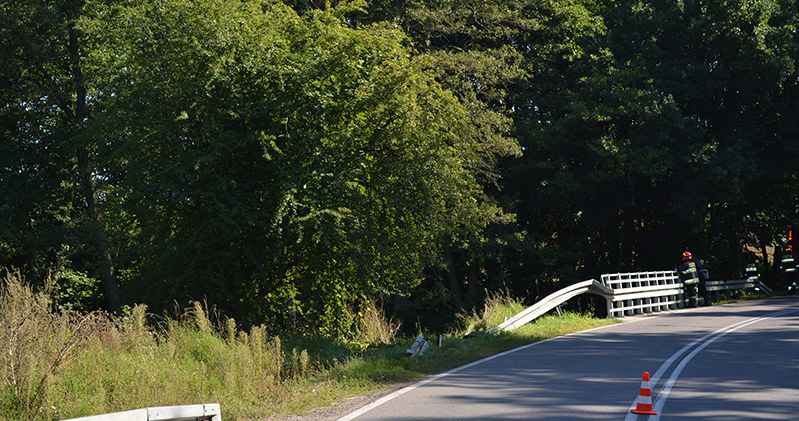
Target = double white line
(695,347)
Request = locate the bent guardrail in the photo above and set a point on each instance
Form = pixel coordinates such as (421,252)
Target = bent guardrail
(627,294)
(551,301)
(202,412)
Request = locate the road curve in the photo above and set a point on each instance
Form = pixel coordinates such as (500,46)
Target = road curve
(733,362)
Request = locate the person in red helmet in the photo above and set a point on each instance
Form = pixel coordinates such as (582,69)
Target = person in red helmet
(691,274)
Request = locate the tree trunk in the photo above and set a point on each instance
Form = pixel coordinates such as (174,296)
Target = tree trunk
(628,241)
(474,282)
(97,229)
(454,285)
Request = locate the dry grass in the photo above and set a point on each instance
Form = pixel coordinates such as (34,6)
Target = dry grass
(60,364)
(56,364)
(497,307)
(35,340)
(374,327)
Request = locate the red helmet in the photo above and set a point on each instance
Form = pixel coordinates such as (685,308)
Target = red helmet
(686,255)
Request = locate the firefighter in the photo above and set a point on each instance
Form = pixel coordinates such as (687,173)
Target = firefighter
(690,273)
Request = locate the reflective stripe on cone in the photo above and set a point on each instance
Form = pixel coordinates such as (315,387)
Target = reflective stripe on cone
(644,405)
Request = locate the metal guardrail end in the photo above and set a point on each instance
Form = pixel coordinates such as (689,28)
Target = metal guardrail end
(198,412)
(212,409)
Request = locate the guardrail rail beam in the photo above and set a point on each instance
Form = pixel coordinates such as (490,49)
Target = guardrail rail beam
(202,412)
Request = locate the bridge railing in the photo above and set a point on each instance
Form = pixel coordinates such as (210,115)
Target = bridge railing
(628,294)
(642,292)
(650,292)
(725,286)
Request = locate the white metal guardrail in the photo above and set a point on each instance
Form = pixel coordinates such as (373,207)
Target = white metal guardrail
(203,412)
(719,286)
(551,301)
(628,294)
(642,292)
(650,292)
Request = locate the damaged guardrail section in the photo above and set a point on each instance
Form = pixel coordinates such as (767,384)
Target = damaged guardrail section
(551,301)
(627,294)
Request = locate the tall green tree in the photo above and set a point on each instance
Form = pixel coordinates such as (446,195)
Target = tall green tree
(50,174)
(728,73)
(282,166)
(656,138)
(484,51)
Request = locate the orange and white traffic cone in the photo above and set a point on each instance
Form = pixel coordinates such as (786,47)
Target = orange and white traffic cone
(644,405)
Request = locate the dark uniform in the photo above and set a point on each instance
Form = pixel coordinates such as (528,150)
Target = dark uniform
(703,284)
(691,274)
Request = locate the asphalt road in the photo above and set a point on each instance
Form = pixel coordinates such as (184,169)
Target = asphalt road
(731,362)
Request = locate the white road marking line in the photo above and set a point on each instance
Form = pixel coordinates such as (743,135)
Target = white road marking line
(702,342)
(351,416)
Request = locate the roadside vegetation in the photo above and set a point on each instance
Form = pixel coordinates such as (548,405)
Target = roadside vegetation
(283,160)
(58,364)
(223,191)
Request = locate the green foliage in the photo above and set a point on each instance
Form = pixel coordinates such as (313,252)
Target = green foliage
(76,291)
(282,161)
(36,213)
(655,138)
(286,160)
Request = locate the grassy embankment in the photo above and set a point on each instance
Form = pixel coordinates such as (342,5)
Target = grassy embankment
(57,365)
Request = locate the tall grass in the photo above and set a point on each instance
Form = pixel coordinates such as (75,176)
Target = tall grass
(498,306)
(185,361)
(35,340)
(374,327)
(57,364)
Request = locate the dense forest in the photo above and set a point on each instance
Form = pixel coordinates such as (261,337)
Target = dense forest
(288,161)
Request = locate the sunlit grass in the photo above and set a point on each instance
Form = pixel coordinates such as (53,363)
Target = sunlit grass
(136,361)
